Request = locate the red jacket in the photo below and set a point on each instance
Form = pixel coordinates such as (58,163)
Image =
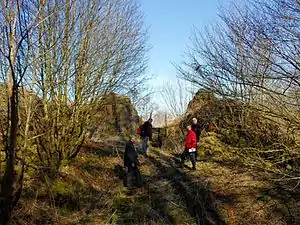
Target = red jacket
(191,140)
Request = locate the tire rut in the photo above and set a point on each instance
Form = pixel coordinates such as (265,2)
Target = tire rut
(199,199)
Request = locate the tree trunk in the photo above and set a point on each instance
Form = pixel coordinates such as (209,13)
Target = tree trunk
(8,195)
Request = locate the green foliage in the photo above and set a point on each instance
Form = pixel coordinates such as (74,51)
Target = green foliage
(268,164)
(65,211)
(231,137)
(201,151)
(65,162)
(264,197)
(61,187)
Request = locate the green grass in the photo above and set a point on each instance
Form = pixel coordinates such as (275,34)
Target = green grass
(62,187)
(87,192)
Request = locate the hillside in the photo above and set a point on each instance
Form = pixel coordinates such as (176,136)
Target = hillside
(221,191)
(246,159)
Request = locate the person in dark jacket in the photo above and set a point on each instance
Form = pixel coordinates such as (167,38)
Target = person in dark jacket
(131,162)
(190,147)
(130,155)
(146,135)
(197,129)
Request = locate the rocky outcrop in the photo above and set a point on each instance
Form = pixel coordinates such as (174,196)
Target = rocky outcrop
(115,115)
(238,122)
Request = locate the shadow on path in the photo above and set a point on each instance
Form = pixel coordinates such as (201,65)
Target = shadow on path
(198,197)
(142,206)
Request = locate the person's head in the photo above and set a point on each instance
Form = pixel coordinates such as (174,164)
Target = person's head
(195,121)
(189,127)
(150,120)
(132,138)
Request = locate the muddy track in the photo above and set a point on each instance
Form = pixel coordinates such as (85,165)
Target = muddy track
(199,200)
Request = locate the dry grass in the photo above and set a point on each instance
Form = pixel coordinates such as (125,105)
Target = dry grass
(83,194)
(222,189)
(243,194)
(237,194)
(88,192)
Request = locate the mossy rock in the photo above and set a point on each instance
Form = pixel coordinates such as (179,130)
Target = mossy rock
(114,114)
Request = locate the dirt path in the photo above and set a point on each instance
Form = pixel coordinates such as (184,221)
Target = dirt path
(169,196)
(216,193)
(221,194)
(158,202)
(197,196)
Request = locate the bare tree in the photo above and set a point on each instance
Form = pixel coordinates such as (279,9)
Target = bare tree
(17,25)
(57,61)
(252,56)
(176,97)
(249,56)
(85,54)
(147,106)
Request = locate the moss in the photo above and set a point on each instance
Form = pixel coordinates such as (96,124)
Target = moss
(87,165)
(268,165)
(218,149)
(65,211)
(201,151)
(289,167)
(61,187)
(156,150)
(29,174)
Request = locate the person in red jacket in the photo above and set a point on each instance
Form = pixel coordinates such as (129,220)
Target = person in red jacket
(190,147)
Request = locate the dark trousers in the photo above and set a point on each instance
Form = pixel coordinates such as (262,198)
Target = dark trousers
(191,155)
(133,177)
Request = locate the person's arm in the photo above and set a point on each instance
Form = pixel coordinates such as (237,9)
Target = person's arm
(195,141)
(125,158)
(199,131)
(150,132)
(133,155)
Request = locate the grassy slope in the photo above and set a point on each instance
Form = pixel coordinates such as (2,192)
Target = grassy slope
(240,195)
(87,192)
(83,194)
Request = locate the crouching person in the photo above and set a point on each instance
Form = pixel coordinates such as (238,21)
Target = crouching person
(190,147)
(131,163)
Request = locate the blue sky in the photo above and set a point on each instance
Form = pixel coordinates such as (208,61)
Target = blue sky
(171,23)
